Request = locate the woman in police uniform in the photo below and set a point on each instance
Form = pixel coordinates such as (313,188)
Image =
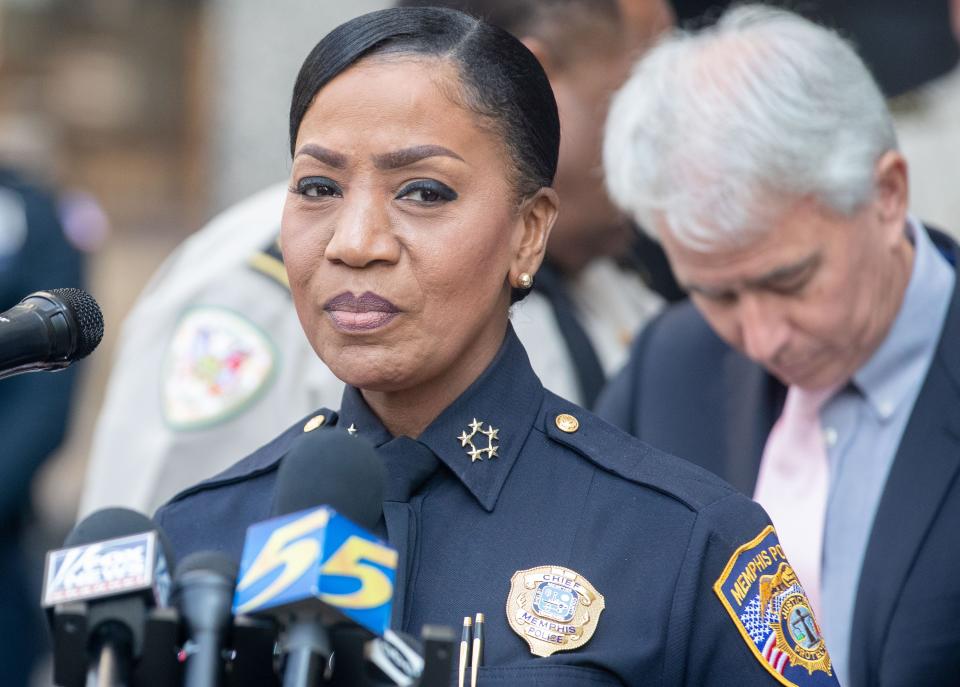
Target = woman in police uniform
(424,144)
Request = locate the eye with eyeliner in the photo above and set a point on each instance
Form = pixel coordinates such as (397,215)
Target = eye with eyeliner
(427,192)
(318,187)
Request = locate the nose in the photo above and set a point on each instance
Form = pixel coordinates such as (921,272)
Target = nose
(363,234)
(764,329)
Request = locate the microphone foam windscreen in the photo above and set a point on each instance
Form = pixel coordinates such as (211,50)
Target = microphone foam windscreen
(89,318)
(111,523)
(211,561)
(332,468)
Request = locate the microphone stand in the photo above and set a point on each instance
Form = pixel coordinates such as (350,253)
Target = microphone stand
(307,646)
(106,672)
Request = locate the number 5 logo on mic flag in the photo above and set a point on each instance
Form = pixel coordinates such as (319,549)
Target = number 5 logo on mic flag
(317,554)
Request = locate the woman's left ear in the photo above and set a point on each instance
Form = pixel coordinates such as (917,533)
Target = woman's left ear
(537,216)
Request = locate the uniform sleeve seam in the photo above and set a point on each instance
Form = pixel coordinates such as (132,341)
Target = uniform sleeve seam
(673,610)
(714,533)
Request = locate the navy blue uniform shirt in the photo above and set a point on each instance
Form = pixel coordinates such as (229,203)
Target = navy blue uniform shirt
(650,533)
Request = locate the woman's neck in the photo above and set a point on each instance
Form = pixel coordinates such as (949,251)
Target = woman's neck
(410,411)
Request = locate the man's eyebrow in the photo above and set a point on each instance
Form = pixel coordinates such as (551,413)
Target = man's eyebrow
(329,157)
(407,156)
(786,272)
(770,279)
(708,291)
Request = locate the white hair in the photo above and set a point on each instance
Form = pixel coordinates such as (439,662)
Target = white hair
(716,130)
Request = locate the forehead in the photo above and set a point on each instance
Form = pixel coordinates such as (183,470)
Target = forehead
(792,236)
(385,102)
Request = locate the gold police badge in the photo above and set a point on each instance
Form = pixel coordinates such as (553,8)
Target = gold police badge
(553,608)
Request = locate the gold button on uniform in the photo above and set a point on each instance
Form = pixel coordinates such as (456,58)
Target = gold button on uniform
(314,422)
(567,423)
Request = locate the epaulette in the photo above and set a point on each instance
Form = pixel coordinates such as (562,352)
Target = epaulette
(628,457)
(269,262)
(266,458)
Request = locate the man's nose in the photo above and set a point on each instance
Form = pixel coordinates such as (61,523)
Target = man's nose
(363,234)
(764,328)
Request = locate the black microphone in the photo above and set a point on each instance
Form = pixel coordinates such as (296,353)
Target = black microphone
(332,468)
(203,593)
(115,564)
(49,330)
(325,476)
(325,469)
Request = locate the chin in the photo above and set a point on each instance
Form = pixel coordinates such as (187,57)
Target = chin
(370,370)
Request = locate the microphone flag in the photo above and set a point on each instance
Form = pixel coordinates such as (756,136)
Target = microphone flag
(317,555)
(122,565)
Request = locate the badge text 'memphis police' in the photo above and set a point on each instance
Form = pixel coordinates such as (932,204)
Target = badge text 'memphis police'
(758,564)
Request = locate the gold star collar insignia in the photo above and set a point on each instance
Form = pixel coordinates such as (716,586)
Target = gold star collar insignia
(467,441)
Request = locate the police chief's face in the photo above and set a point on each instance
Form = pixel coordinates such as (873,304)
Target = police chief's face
(402,231)
(814,297)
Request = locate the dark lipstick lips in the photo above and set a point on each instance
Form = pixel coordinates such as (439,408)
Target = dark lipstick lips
(360,313)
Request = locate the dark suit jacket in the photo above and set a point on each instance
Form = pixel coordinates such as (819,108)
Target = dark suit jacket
(687,392)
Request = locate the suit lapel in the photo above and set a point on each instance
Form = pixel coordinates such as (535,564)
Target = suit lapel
(927,459)
(754,403)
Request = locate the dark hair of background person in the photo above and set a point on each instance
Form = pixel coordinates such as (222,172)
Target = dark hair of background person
(925,45)
(501,80)
(558,23)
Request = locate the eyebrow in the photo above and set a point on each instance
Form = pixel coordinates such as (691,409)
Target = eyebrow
(770,279)
(325,155)
(408,156)
(786,272)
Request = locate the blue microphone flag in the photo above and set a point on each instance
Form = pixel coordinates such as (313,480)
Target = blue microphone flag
(317,554)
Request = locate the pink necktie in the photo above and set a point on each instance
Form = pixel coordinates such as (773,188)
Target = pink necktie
(793,483)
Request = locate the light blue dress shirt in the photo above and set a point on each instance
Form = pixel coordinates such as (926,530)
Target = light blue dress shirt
(863,425)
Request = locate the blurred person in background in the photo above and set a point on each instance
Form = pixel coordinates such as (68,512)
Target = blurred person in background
(817,365)
(904,44)
(928,128)
(35,255)
(211,363)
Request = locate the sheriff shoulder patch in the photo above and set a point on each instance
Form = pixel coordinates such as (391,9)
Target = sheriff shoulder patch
(217,364)
(770,609)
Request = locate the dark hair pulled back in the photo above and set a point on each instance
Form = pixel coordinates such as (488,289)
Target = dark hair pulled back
(500,79)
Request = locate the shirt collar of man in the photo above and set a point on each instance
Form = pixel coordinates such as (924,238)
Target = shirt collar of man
(893,373)
(506,398)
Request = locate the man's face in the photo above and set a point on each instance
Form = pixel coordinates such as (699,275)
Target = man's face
(589,225)
(810,300)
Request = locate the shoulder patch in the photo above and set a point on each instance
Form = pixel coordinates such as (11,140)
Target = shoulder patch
(218,363)
(770,609)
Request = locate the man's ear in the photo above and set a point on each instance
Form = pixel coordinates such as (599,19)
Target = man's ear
(892,191)
(537,217)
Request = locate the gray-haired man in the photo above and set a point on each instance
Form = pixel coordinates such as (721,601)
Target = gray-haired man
(762,154)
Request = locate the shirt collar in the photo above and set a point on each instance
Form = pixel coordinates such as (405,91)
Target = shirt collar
(892,374)
(497,412)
